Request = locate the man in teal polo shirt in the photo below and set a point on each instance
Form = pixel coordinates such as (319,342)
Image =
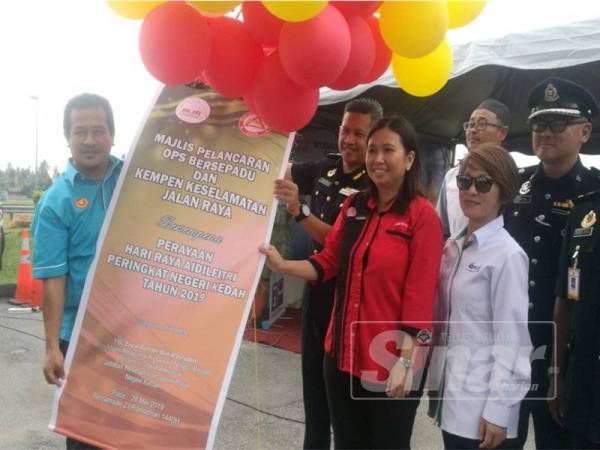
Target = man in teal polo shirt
(67,223)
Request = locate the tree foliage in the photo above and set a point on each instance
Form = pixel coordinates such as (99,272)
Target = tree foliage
(22,181)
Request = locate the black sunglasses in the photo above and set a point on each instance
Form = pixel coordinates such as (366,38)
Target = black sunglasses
(556,125)
(483,184)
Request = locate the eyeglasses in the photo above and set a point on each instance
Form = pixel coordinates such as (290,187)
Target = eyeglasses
(483,184)
(556,125)
(480,125)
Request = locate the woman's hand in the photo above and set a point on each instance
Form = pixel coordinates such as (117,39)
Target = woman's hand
(275,262)
(491,435)
(400,380)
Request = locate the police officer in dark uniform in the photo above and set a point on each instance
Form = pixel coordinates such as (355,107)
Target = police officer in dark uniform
(574,394)
(328,182)
(560,123)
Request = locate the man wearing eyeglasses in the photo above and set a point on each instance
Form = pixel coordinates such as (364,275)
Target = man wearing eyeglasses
(329,182)
(488,123)
(560,123)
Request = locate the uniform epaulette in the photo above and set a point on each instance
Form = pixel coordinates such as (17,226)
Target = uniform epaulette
(587,196)
(334,156)
(595,172)
(526,172)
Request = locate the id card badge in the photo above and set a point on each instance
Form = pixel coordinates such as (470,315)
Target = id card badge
(573,288)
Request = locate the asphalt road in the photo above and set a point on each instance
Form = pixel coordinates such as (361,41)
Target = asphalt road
(265,379)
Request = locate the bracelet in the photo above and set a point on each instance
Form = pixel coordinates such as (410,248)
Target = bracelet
(407,363)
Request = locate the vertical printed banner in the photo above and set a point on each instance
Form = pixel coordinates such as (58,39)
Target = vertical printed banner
(165,303)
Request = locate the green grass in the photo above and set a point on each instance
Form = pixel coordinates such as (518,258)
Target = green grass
(10,258)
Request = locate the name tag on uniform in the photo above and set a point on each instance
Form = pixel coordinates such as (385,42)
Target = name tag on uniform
(348,191)
(573,288)
(522,199)
(325,181)
(582,232)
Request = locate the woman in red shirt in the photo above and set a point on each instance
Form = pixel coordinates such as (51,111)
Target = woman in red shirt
(385,249)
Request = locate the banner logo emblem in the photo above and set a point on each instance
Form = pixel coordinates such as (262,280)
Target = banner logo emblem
(193,110)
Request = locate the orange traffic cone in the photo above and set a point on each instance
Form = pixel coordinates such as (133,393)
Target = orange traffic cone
(37,293)
(24,279)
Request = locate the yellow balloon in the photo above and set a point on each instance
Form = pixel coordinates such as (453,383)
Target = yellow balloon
(461,12)
(424,76)
(413,28)
(215,8)
(295,11)
(132,10)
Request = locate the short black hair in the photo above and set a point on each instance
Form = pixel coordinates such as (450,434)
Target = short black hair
(85,101)
(365,106)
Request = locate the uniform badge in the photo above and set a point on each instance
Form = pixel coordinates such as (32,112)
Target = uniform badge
(550,94)
(332,172)
(423,337)
(589,219)
(358,175)
(525,188)
(82,203)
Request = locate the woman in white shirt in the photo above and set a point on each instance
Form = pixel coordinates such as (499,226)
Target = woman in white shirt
(480,361)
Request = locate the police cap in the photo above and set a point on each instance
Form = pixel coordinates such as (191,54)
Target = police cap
(560,97)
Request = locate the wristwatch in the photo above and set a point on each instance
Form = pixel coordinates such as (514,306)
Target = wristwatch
(303,214)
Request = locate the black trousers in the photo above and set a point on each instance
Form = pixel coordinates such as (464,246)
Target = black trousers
(73,444)
(317,431)
(363,419)
(579,442)
(548,434)
(454,442)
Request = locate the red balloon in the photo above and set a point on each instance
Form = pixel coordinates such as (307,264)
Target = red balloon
(260,23)
(235,57)
(383,55)
(362,55)
(358,8)
(281,103)
(314,52)
(175,43)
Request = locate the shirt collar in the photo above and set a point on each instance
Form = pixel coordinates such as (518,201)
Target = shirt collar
(574,174)
(480,235)
(71,172)
(489,229)
(355,175)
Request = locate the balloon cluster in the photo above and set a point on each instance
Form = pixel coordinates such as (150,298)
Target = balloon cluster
(281,52)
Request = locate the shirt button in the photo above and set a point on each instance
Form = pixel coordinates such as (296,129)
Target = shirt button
(359,275)
(532,283)
(530,305)
(356,305)
(315,252)
(516,214)
(537,239)
(336,182)
(328,198)
(322,215)
(533,261)
(547,196)
(316,193)
(341,204)
(541,217)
